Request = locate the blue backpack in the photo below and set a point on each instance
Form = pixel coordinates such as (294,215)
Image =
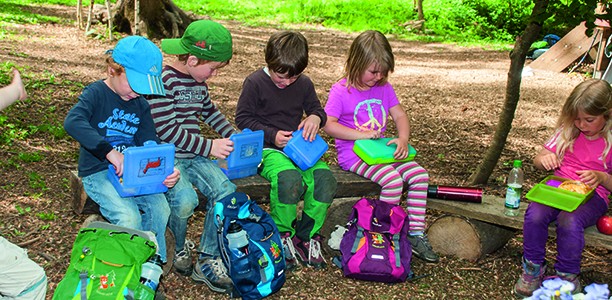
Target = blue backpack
(258,270)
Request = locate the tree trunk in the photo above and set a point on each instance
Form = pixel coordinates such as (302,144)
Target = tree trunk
(157,18)
(513,92)
(419,7)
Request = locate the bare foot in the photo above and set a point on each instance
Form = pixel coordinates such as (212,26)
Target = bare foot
(19,84)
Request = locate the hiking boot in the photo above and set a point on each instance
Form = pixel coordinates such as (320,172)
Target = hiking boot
(572,278)
(211,271)
(530,280)
(422,249)
(309,253)
(288,251)
(182,260)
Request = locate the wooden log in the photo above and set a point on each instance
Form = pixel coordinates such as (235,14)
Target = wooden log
(466,238)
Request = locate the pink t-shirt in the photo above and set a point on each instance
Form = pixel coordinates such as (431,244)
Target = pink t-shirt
(358,109)
(586,155)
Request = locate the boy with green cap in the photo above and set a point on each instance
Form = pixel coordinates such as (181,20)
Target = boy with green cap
(205,47)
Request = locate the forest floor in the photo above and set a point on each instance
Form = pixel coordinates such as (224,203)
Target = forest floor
(453,96)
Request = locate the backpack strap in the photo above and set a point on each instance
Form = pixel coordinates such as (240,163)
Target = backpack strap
(358,237)
(83,277)
(396,244)
(263,264)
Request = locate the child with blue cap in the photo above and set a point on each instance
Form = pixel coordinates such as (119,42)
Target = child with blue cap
(110,116)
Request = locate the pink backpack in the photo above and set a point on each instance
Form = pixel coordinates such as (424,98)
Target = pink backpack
(376,246)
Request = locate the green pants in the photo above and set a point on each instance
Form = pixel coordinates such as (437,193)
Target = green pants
(288,184)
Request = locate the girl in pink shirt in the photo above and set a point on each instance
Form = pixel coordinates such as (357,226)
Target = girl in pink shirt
(358,107)
(578,150)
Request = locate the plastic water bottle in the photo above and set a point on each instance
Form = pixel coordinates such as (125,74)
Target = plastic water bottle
(151,272)
(238,244)
(237,239)
(515,188)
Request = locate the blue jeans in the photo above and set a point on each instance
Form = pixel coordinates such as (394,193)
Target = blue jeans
(183,200)
(570,232)
(204,174)
(148,212)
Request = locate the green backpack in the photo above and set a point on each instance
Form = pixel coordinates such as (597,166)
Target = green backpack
(106,264)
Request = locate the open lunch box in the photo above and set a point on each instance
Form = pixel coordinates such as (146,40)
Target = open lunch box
(547,192)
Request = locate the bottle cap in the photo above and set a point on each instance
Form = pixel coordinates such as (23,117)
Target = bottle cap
(517,163)
(234,227)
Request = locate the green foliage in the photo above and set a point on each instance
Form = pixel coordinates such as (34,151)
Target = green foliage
(36,181)
(468,21)
(28,157)
(46,216)
(21,210)
(20,12)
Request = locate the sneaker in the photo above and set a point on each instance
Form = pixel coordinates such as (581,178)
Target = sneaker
(572,278)
(289,251)
(422,249)
(530,280)
(309,253)
(182,260)
(211,271)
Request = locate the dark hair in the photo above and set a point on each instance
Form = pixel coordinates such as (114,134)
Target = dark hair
(287,52)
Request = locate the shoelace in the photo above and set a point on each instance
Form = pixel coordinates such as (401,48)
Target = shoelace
(314,250)
(189,245)
(218,268)
(288,245)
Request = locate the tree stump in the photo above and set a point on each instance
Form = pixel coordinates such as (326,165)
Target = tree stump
(466,238)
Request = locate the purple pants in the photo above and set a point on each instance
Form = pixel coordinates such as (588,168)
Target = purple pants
(570,232)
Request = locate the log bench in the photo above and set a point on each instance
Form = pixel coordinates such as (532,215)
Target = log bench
(465,230)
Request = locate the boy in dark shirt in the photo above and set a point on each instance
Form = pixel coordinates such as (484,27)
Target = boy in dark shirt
(274,99)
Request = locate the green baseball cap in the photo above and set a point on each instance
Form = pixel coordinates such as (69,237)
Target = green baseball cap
(205,39)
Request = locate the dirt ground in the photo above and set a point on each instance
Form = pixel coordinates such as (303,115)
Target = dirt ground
(452,94)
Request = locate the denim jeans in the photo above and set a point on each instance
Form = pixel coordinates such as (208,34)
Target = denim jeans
(570,232)
(183,200)
(204,174)
(147,212)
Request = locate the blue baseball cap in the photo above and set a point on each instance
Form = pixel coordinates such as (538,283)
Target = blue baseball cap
(142,61)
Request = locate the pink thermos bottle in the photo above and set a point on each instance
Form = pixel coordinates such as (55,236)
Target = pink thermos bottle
(456,193)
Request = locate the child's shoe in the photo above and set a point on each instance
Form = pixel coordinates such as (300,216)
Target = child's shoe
(573,278)
(422,249)
(530,280)
(289,251)
(211,271)
(309,253)
(182,260)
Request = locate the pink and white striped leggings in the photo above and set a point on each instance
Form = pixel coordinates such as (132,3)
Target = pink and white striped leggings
(391,178)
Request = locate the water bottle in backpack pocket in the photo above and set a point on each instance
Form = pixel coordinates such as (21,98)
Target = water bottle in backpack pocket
(250,246)
(376,247)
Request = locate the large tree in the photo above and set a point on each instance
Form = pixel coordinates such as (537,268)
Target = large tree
(153,18)
(573,11)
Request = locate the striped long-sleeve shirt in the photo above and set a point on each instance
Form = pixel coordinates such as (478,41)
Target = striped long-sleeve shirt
(177,116)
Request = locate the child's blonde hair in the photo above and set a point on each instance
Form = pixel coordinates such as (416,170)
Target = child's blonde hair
(369,47)
(593,97)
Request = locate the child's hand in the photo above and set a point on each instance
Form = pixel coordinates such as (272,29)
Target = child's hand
(370,134)
(550,161)
(401,151)
(310,126)
(592,178)
(116,159)
(221,148)
(282,138)
(173,178)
